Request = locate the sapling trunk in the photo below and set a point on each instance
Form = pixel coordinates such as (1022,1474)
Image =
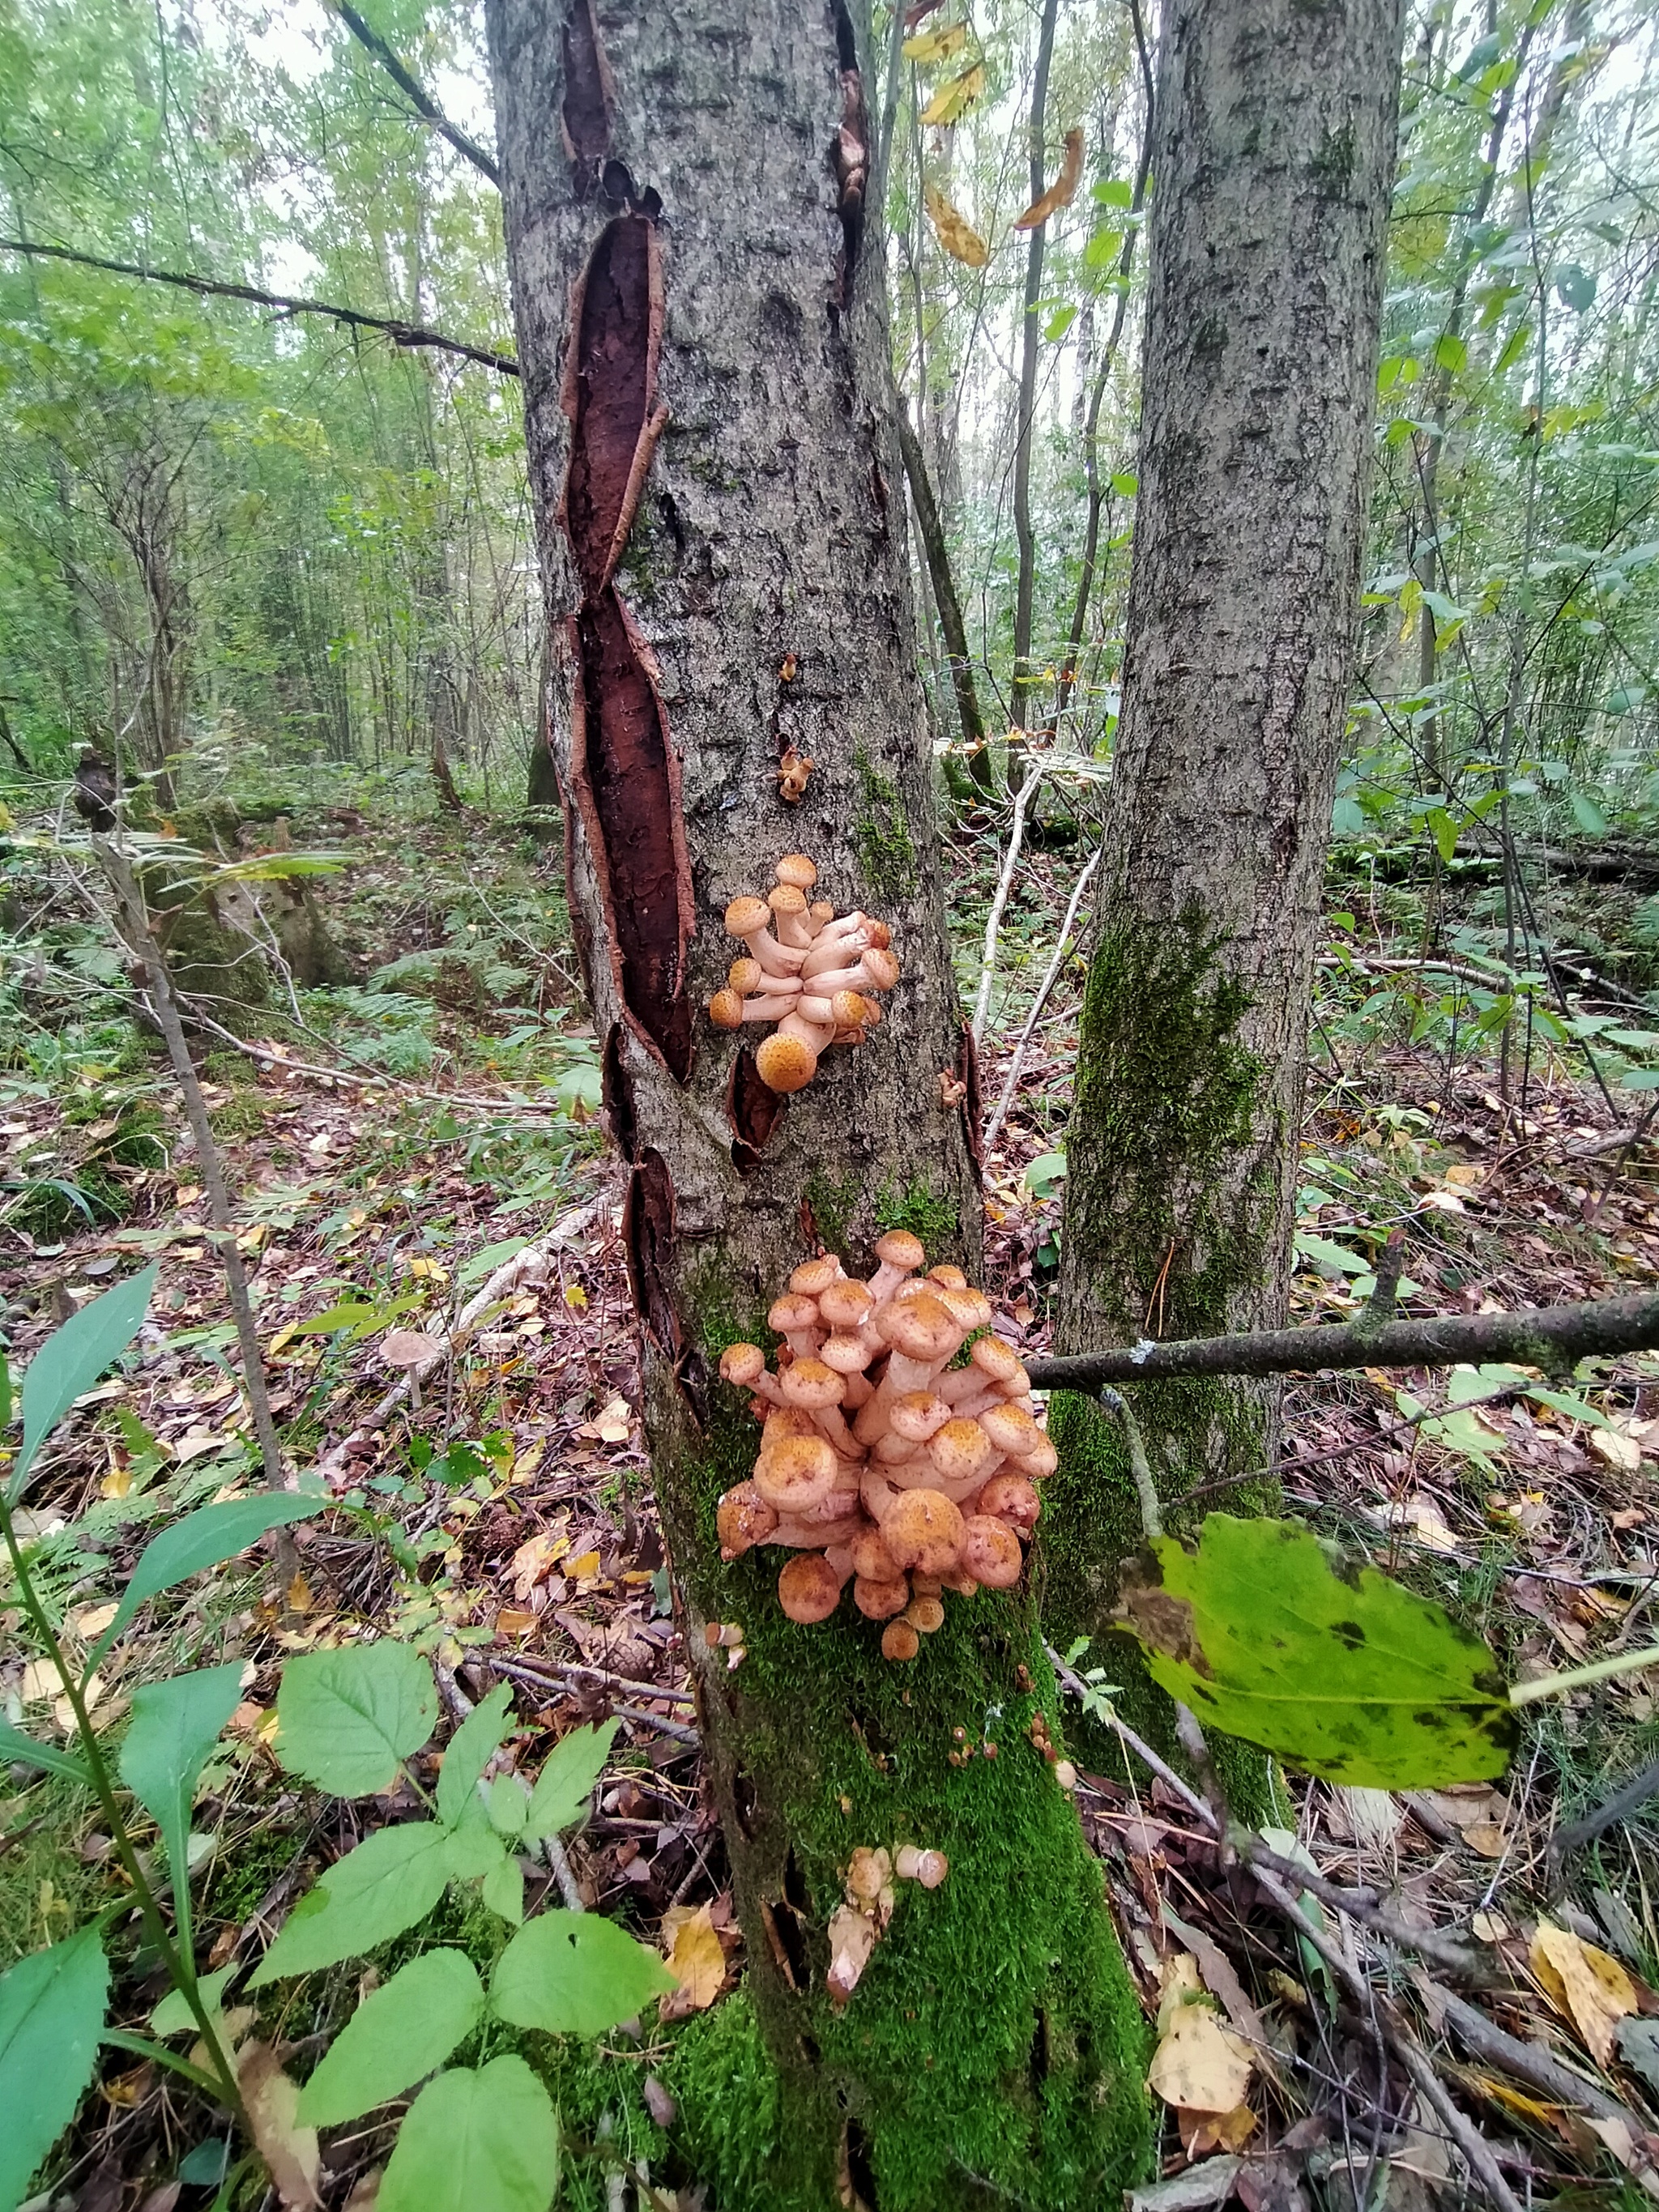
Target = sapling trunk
(133,921)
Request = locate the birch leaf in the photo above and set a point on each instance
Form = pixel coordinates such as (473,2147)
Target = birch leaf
(1062,191)
(1587,1985)
(952,101)
(937,45)
(957,236)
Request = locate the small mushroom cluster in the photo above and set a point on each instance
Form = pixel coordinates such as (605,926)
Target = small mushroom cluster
(881,1463)
(809,970)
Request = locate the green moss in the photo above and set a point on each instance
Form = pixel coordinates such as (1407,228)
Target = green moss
(1172,1202)
(880,832)
(832,1206)
(919,1209)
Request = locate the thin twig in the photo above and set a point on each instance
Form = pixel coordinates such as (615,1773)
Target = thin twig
(1023,799)
(1051,975)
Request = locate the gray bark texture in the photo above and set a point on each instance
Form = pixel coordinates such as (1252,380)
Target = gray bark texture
(720,511)
(1273,159)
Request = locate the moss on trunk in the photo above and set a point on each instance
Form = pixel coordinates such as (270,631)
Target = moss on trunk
(1173,1204)
(994,2048)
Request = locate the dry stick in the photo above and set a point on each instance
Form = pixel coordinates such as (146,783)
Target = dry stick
(1023,799)
(577,1673)
(1634,1794)
(678,1729)
(1550,1337)
(1530,2062)
(1051,976)
(135,927)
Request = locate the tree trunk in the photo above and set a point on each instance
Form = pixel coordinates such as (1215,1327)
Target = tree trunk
(1023,679)
(1273,158)
(721,522)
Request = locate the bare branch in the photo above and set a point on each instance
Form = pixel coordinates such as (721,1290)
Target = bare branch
(426,107)
(210,288)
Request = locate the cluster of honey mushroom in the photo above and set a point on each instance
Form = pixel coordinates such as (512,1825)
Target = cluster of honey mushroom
(809,970)
(881,1463)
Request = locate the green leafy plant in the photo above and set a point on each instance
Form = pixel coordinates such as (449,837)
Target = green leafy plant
(349,1721)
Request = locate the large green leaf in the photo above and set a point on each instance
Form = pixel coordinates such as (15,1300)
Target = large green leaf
(73,1357)
(206,1538)
(1270,1634)
(392,1879)
(470,1750)
(483,2142)
(175,1723)
(395,2037)
(51,2014)
(574,1973)
(566,1781)
(347,1717)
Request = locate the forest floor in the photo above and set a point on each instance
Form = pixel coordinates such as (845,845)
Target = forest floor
(443,1119)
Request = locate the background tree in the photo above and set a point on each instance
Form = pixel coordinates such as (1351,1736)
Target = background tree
(685,241)
(1273,158)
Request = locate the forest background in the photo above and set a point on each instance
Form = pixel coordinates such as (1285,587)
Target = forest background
(284,569)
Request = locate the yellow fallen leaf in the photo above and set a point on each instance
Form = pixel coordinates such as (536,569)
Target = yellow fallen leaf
(1207,2131)
(428,1271)
(1059,194)
(1200,2065)
(1486,1837)
(587,1565)
(575,1297)
(952,101)
(89,1621)
(937,45)
(534,1561)
(281,1337)
(514,1620)
(697,1963)
(954,234)
(1466,1173)
(115,1483)
(1587,1985)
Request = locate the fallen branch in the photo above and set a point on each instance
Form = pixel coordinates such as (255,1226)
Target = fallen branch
(551,1670)
(516,1672)
(1553,1338)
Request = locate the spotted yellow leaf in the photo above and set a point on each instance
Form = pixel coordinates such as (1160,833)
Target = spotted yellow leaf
(954,234)
(952,101)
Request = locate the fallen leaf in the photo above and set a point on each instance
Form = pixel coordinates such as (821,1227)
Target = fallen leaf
(1059,194)
(1630,2153)
(1621,1453)
(952,101)
(1466,1173)
(1490,1927)
(515,1620)
(1486,1837)
(697,1962)
(578,1569)
(1207,2131)
(954,232)
(290,2151)
(1199,2065)
(1587,1985)
(534,1560)
(575,1297)
(611,1424)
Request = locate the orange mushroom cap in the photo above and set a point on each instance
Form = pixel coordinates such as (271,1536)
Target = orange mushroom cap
(990,1552)
(784,1064)
(1010,1499)
(813,1277)
(961,1449)
(746,977)
(745,915)
(796,1474)
(797,871)
(810,1384)
(880,1600)
(744,1519)
(899,1641)
(809,1589)
(924,1530)
(741,1363)
(726,1010)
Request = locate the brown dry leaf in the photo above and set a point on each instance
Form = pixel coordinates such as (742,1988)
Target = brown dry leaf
(1062,191)
(514,1620)
(610,1424)
(1207,2131)
(937,45)
(290,2151)
(1466,1173)
(1632,2153)
(954,234)
(697,1962)
(1587,1985)
(364,2190)
(952,101)
(534,1560)
(1486,1837)
(852,1938)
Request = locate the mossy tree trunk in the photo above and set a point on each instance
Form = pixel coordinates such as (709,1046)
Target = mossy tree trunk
(720,513)
(1273,159)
